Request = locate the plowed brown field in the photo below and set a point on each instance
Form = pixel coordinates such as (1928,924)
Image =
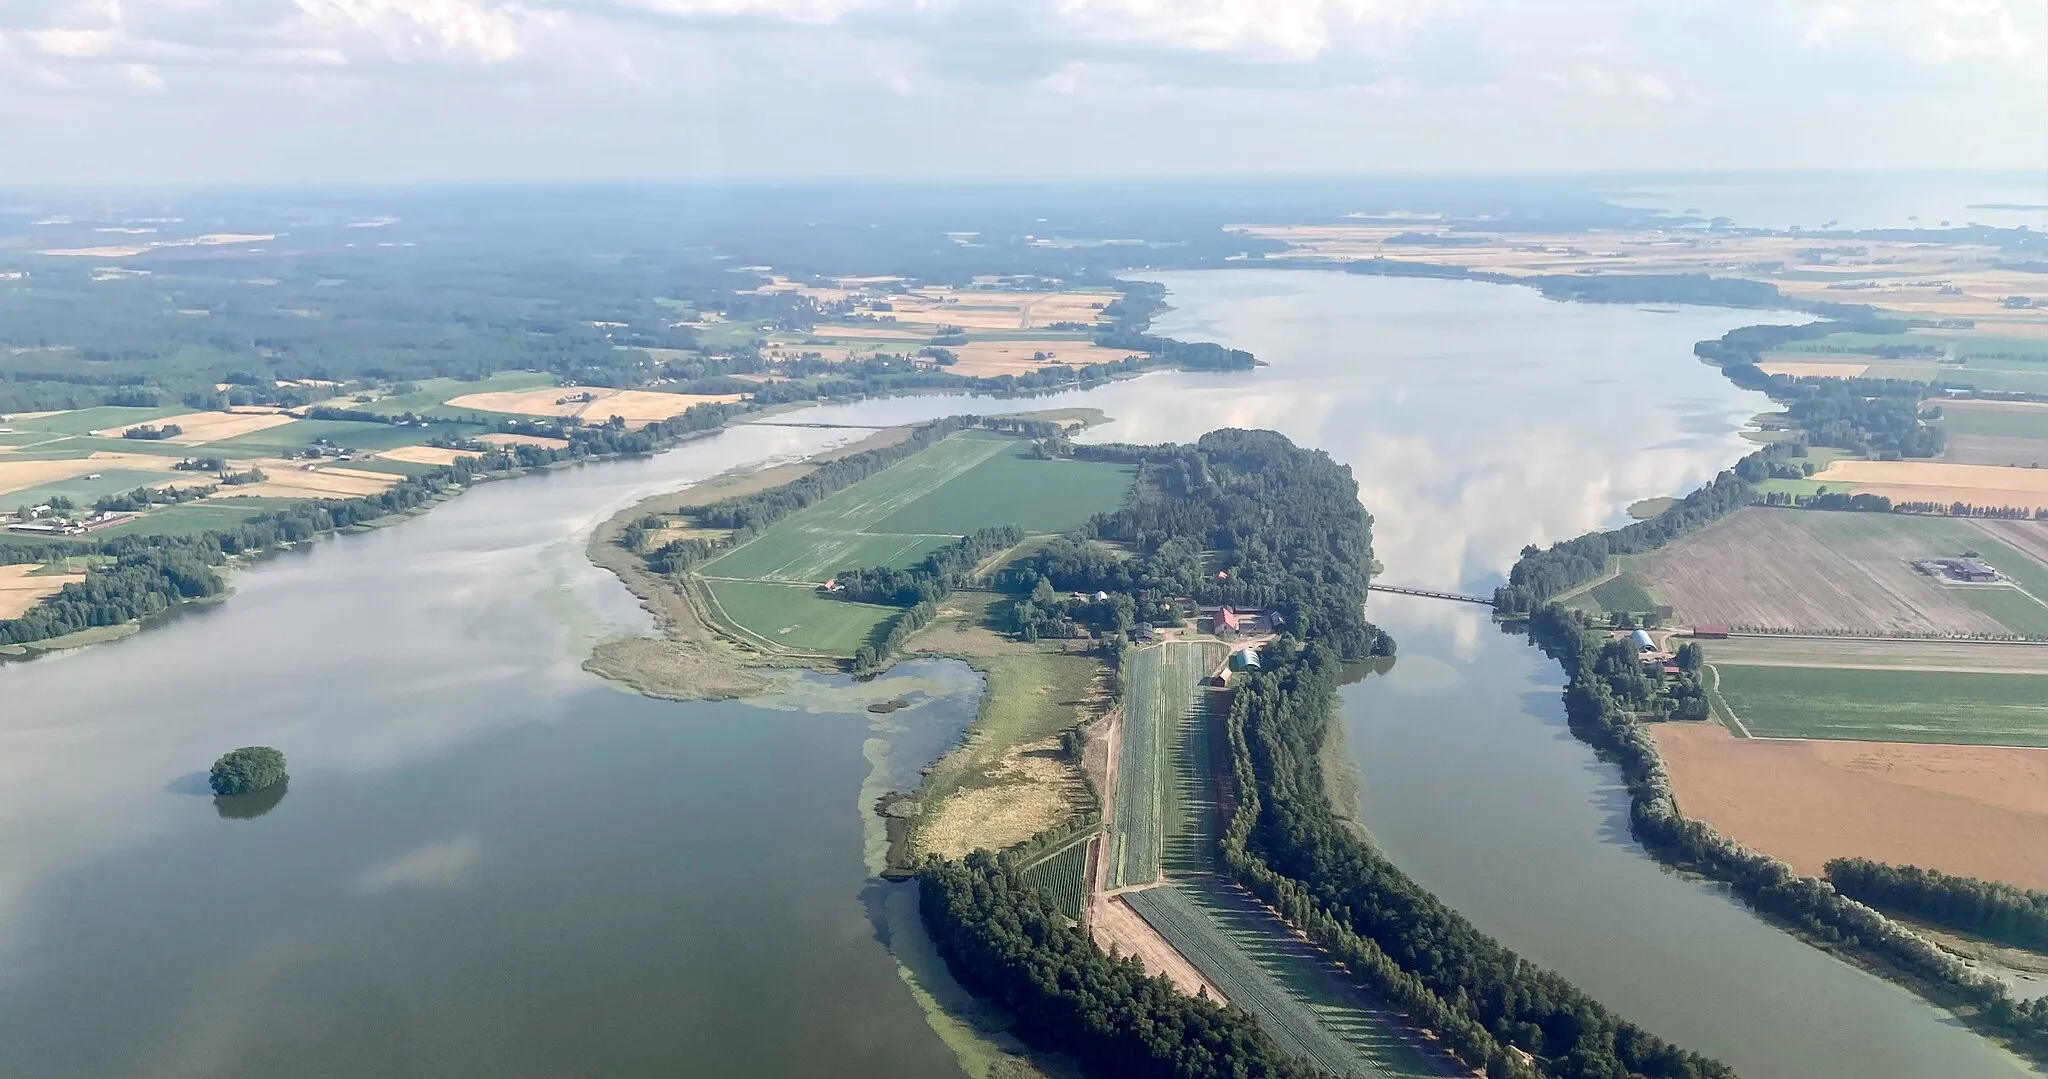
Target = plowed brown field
(1977,811)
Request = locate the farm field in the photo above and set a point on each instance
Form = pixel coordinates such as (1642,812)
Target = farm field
(192,518)
(348,434)
(1972,810)
(2028,541)
(1159,696)
(21,475)
(429,396)
(2003,419)
(1887,705)
(1941,482)
(1262,967)
(1878,653)
(1819,572)
(1189,833)
(25,585)
(634,406)
(200,428)
(972,480)
(795,617)
(1995,450)
(1064,876)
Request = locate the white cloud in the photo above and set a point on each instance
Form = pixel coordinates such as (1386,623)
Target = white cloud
(413,29)
(1937,31)
(1276,29)
(1652,87)
(143,76)
(446,864)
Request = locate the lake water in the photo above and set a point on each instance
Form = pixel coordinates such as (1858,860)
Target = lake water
(488,863)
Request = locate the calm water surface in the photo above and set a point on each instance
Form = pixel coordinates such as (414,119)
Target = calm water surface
(490,864)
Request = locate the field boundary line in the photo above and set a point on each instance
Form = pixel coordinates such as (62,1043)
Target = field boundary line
(1720,703)
(1613,571)
(1754,636)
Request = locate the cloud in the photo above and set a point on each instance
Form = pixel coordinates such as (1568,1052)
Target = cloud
(143,76)
(1935,31)
(446,864)
(414,29)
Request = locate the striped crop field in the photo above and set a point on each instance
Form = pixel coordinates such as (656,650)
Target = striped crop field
(1064,876)
(1267,971)
(1158,698)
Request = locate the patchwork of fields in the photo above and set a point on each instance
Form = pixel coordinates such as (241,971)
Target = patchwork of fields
(765,589)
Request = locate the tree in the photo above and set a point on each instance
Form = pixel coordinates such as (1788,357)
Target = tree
(1690,656)
(247,770)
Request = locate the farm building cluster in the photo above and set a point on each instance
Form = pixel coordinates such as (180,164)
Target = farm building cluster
(1966,570)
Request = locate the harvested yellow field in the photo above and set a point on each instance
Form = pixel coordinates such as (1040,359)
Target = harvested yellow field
(1798,369)
(199,428)
(591,403)
(873,331)
(287,479)
(1941,481)
(108,252)
(425,455)
(522,440)
(19,590)
(986,359)
(1026,794)
(22,475)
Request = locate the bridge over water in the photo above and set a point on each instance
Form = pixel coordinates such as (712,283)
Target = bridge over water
(1431,593)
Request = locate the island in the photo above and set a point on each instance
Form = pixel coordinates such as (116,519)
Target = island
(246,771)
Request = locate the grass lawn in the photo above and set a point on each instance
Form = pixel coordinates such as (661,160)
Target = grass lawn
(796,617)
(1888,706)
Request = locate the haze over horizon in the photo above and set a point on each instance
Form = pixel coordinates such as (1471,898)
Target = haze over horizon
(213,91)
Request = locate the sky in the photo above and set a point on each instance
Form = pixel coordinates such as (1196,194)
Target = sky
(203,91)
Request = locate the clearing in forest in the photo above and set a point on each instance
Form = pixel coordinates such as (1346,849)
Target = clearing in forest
(25,585)
(765,590)
(1977,811)
(1810,571)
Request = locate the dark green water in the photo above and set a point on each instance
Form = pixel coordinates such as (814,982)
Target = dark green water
(490,864)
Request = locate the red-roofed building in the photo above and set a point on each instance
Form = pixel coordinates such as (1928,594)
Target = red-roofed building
(1226,619)
(1711,633)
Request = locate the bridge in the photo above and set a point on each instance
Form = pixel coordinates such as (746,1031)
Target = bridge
(1428,593)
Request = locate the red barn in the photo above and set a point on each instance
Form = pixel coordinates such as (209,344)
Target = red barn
(1711,633)
(1226,619)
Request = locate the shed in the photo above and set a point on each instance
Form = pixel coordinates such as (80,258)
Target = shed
(1710,633)
(1245,659)
(1642,641)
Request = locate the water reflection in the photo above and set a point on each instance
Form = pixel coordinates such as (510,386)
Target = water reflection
(252,805)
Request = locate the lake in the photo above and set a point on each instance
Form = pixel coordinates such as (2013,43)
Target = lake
(490,863)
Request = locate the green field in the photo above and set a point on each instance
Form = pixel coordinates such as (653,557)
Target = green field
(1064,876)
(1623,593)
(349,434)
(974,479)
(797,617)
(1996,423)
(430,394)
(99,418)
(113,481)
(1158,698)
(2014,609)
(1306,1006)
(1888,706)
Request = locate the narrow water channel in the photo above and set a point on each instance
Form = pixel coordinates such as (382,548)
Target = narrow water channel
(488,863)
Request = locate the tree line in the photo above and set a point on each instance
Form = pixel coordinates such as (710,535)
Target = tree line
(1008,942)
(932,577)
(1999,912)
(1287,845)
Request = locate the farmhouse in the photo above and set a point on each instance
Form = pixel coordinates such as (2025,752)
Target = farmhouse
(1957,569)
(1226,619)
